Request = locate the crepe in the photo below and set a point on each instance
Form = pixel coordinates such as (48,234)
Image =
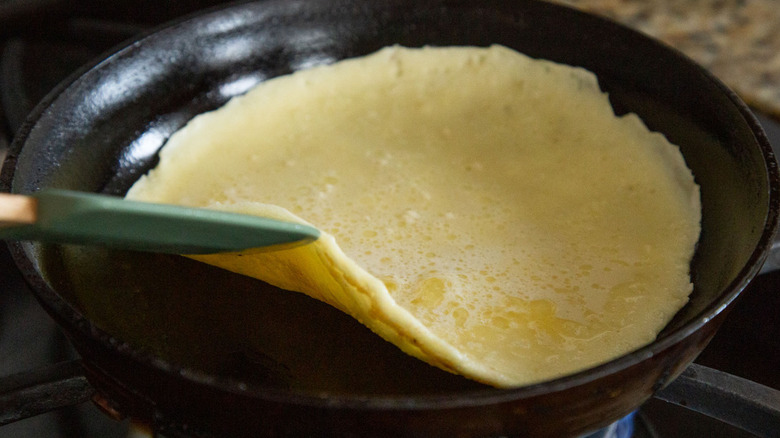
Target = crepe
(484,211)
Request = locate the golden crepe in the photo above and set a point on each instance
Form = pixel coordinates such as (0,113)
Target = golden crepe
(484,211)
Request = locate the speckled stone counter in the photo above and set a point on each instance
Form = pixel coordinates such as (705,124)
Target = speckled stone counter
(737,40)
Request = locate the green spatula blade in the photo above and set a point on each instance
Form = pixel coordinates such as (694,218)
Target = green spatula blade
(90,219)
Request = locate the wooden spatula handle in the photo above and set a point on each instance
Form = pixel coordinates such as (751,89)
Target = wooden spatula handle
(17,209)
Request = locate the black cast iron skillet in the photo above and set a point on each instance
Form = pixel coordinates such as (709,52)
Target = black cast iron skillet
(100,131)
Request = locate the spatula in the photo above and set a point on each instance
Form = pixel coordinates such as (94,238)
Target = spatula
(63,216)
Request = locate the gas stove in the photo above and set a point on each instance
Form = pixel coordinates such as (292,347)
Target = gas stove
(45,41)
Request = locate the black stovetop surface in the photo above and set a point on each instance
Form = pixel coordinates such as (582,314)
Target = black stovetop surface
(43,41)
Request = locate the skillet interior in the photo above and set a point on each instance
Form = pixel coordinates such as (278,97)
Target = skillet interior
(100,134)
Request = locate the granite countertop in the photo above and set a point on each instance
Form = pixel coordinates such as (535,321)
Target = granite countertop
(737,40)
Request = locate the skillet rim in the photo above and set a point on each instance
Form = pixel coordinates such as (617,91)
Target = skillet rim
(466,398)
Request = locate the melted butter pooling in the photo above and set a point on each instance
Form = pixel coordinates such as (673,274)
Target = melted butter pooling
(484,211)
